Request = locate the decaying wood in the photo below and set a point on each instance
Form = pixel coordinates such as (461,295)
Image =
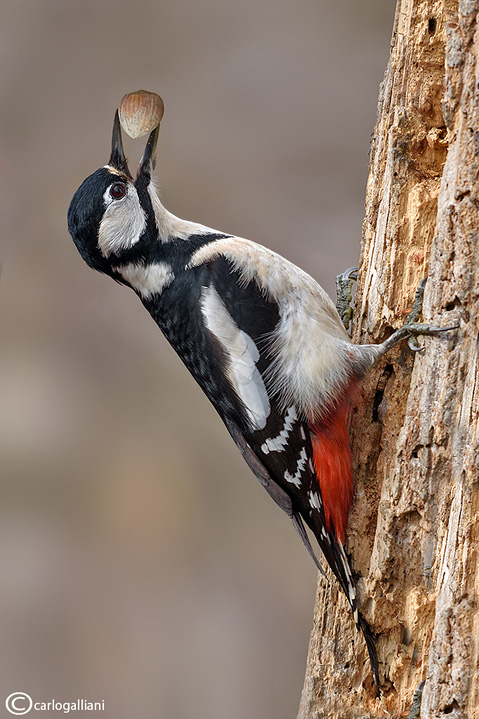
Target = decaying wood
(414,527)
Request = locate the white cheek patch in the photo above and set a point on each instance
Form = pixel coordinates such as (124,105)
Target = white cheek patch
(123,222)
(147,280)
(242,355)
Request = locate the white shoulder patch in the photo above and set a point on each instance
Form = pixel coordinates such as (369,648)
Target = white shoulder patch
(242,355)
(309,347)
(147,280)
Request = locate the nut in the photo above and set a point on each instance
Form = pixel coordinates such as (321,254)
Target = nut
(140,112)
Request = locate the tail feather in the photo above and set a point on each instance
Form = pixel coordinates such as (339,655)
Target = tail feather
(337,559)
(332,461)
(371,646)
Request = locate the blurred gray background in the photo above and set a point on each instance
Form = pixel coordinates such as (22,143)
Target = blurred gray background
(140,561)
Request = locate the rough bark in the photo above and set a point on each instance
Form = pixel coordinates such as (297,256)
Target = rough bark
(414,527)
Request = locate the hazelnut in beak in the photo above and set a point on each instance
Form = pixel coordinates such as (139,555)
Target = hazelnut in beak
(140,112)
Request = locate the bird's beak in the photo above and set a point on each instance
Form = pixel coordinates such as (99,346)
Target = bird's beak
(148,161)
(118,158)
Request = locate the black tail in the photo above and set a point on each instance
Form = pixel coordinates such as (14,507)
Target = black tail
(371,646)
(337,559)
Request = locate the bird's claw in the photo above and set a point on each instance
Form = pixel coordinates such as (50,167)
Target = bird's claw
(344,295)
(351,274)
(416,702)
(414,345)
(413,317)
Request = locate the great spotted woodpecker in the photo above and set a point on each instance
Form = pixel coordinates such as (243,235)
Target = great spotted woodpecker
(259,335)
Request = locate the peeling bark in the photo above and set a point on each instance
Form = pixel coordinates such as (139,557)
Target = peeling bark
(414,527)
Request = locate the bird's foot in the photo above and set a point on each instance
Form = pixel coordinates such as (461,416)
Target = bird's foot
(415,712)
(415,314)
(412,328)
(344,295)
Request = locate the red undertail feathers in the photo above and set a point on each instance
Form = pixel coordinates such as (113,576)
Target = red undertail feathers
(332,460)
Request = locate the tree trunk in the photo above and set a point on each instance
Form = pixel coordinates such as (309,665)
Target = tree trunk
(414,527)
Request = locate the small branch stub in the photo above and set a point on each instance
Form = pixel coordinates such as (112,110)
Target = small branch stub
(140,112)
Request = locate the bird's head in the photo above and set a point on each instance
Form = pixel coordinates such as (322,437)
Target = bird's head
(111,216)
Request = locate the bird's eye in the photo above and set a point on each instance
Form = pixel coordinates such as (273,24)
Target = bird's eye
(118,190)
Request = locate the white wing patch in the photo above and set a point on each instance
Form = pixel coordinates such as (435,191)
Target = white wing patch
(296,478)
(242,355)
(277,444)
